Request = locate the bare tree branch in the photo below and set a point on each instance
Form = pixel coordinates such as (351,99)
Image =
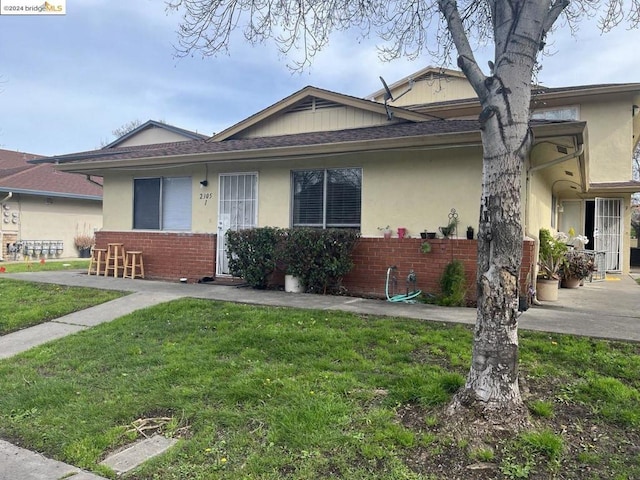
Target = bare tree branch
(556,9)
(466,58)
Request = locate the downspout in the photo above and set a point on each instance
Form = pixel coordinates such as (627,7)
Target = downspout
(564,158)
(9,195)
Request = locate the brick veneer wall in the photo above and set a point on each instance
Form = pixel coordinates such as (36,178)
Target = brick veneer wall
(168,256)
(372,257)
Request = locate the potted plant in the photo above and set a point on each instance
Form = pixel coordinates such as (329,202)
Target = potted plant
(550,260)
(83,242)
(450,229)
(386,231)
(425,247)
(469,232)
(577,266)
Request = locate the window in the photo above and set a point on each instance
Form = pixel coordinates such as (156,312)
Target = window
(327,198)
(162,203)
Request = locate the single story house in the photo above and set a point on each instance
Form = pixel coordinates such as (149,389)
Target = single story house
(407,158)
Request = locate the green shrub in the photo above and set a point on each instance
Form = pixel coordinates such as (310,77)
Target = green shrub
(453,285)
(319,258)
(253,254)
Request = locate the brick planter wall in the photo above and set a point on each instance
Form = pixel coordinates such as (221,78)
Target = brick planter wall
(168,256)
(372,257)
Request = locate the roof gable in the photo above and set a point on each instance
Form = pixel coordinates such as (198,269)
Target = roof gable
(151,131)
(431,84)
(313,99)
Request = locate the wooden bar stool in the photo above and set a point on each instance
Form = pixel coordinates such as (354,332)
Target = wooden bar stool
(115,259)
(133,265)
(98,261)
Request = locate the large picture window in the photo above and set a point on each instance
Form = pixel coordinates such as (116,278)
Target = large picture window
(162,203)
(327,198)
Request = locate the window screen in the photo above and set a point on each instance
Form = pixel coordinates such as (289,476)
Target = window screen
(162,203)
(176,203)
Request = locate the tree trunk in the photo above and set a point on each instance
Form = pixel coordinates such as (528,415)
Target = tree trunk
(491,393)
(492,383)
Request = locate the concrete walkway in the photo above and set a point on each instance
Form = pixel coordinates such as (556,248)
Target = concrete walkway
(609,309)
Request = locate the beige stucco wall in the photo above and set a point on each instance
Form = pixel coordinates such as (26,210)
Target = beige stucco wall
(152,135)
(431,90)
(610,139)
(53,218)
(118,197)
(412,189)
(318,120)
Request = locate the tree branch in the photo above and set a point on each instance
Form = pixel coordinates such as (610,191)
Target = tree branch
(554,12)
(466,59)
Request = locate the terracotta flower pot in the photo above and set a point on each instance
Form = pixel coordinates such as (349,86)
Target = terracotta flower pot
(570,282)
(547,290)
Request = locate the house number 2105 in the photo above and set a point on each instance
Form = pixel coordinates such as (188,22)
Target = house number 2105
(206,197)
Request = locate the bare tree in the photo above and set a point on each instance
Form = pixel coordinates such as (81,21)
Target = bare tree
(126,128)
(121,131)
(635,199)
(517,29)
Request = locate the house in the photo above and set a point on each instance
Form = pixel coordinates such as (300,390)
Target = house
(408,157)
(43,209)
(153,132)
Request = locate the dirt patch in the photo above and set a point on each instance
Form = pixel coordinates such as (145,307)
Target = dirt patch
(592,448)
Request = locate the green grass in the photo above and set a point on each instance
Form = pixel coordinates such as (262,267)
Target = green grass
(47,266)
(271,393)
(24,304)
(541,408)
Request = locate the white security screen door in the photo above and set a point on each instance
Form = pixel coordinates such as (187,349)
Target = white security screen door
(237,210)
(608,232)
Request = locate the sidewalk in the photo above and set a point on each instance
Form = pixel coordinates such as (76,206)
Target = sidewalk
(609,309)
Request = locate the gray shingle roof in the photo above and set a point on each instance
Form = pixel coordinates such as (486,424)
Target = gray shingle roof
(435,127)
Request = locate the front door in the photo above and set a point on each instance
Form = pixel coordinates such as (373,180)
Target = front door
(237,210)
(608,231)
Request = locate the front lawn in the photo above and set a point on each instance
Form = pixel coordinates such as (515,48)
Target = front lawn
(40,266)
(24,304)
(276,393)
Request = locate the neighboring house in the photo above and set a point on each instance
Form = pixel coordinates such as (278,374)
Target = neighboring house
(322,159)
(153,132)
(44,208)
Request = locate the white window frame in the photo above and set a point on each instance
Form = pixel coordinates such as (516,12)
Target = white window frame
(181,208)
(324,223)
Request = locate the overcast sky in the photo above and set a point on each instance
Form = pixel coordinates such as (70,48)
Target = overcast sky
(67,81)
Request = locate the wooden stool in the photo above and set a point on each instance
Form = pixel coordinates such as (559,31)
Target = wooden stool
(98,261)
(115,259)
(133,265)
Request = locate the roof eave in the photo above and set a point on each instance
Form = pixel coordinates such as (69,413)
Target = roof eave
(440,140)
(42,193)
(445,140)
(629,187)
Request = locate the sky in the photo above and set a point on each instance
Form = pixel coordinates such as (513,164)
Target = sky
(66,82)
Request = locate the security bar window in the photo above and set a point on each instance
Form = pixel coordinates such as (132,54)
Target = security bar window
(162,203)
(327,198)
